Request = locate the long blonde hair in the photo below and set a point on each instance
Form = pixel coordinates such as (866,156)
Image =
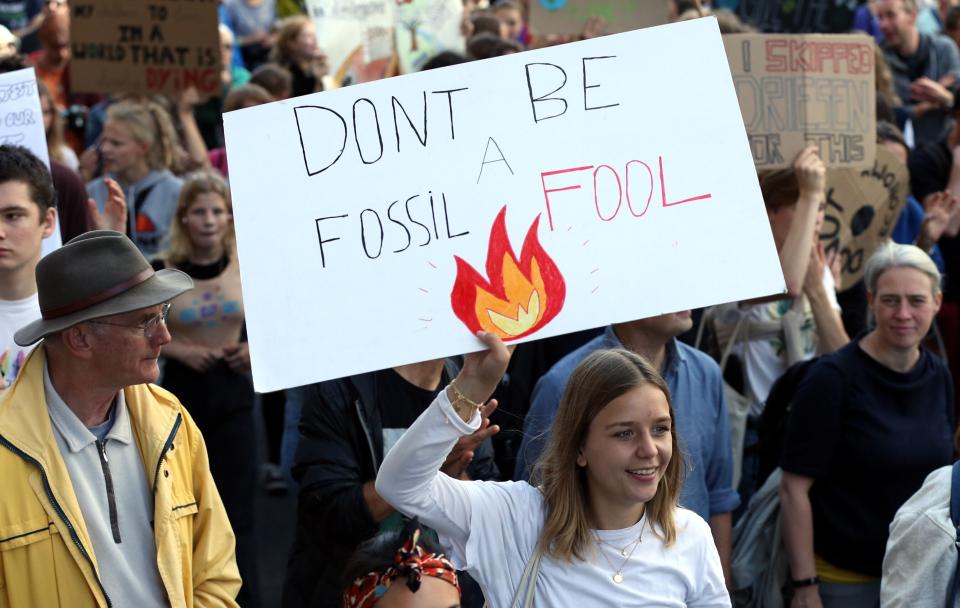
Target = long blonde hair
(602,377)
(180,247)
(151,126)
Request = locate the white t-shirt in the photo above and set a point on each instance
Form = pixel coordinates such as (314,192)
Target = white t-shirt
(765,360)
(14,314)
(490,529)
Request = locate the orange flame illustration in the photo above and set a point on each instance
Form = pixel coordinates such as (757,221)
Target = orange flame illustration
(520,297)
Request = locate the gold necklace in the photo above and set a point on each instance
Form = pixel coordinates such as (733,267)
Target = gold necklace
(618,572)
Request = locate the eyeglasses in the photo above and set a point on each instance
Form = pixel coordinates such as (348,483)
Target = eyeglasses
(148,327)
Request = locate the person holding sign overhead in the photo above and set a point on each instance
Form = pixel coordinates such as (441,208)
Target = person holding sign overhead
(604,528)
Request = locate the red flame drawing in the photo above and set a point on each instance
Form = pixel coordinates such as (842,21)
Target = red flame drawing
(520,297)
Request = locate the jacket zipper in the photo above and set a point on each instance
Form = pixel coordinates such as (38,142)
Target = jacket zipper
(111,495)
(163,452)
(60,512)
(366,432)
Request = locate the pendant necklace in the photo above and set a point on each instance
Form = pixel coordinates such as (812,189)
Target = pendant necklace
(618,572)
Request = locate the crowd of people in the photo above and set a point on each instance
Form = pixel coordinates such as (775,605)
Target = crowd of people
(624,465)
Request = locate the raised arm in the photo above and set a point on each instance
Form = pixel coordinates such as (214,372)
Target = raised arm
(410,477)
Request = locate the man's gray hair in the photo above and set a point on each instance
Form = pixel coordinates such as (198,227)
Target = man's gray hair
(894,255)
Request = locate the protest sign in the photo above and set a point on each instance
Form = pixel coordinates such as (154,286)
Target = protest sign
(382,224)
(160,46)
(569,16)
(21,124)
(425,28)
(795,90)
(862,209)
(356,35)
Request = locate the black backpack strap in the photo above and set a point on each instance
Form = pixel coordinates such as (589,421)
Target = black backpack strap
(955,518)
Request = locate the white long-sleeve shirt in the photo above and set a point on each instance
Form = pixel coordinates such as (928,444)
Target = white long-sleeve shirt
(921,552)
(490,529)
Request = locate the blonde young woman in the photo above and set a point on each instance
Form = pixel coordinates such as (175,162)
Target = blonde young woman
(138,146)
(602,528)
(207,363)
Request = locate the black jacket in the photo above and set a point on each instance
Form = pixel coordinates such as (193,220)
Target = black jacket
(341,448)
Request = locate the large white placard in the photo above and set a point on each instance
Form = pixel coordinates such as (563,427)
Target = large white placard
(21,124)
(532,195)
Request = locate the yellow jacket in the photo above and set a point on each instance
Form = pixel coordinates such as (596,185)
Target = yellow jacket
(46,556)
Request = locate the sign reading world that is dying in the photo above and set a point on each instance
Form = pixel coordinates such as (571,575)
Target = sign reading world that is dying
(529,195)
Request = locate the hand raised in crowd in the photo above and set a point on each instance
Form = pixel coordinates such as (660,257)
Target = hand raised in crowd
(237,357)
(466,23)
(595,27)
(114,216)
(199,358)
(939,208)
(463,452)
(811,175)
(813,281)
(833,263)
(188,99)
(927,90)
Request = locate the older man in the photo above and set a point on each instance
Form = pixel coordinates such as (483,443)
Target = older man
(107,496)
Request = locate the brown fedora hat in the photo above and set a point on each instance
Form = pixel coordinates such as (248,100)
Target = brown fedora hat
(97,274)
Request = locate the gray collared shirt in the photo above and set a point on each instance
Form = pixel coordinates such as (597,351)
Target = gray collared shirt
(128,568)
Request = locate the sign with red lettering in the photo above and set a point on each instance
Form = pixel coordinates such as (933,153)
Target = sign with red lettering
(798,89)
(569,16)
(155,46)
(385,223)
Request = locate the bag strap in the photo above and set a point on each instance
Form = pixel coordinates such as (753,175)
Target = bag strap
(528,582)
(955,518)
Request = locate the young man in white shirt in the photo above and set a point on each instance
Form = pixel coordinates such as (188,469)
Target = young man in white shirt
(27,215)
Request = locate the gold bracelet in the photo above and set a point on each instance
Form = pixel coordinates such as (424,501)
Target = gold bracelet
(461,397)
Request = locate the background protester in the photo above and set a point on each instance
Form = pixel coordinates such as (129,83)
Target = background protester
(602,525)
(769,336)
(207,359)
(347,427)
(274,79)
(926,70)
(137,148)
(28,214)
(867,425)
(53,127)
(297,51)
(252,22)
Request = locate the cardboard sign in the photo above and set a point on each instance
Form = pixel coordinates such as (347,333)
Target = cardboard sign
(161,46)
(795,90)
(797,16)
(425,28)
(382,224)
(569,16)
(356,35)
(21,124)
(862,209)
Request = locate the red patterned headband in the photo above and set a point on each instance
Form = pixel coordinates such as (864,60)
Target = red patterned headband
(411,563)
